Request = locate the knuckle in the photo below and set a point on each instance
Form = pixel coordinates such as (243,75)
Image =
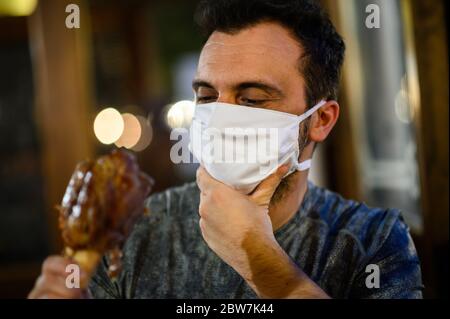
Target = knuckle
(47,264)
(53,263)
(215,195)
(40,281)
(202,210)
(198,174)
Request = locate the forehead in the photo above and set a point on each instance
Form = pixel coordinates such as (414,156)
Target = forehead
(266,51)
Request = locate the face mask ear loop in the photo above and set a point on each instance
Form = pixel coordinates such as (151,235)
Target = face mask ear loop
(311,111)
(306,165)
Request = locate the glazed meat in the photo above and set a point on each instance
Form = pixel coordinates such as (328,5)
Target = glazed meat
(101,204)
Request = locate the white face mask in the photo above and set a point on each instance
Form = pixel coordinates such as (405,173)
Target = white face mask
(241,146)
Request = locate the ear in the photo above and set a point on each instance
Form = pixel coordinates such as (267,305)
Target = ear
(323,121)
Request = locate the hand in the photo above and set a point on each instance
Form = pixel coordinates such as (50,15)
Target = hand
(51,284)
(233,224)
(239,230)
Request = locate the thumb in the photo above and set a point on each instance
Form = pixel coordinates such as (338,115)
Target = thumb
(265,190)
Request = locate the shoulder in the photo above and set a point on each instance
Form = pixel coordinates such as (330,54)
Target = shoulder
(371,227)
(382,237)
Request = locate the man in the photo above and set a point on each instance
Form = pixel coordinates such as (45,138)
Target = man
(286,238)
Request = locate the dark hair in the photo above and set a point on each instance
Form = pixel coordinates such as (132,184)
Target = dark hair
(323,46)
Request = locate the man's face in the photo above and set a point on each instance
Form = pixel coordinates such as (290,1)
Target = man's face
(256,67)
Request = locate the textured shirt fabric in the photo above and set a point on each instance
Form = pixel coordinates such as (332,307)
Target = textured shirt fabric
(330,238)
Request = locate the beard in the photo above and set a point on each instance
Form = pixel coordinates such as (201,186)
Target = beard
(286,185)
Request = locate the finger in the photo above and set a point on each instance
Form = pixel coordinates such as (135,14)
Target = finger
(205,181)
(59,286)
(56,265)
(49,284)
(49,296)
(265,190)
(207,232)
(52,295)
(199,179)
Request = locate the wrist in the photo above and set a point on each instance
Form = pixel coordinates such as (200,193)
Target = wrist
(272,274)
(261,254)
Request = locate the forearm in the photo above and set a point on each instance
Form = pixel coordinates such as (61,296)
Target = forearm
(272,274)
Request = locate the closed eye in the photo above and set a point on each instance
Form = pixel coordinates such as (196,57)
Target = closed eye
(250,102)
(206,99)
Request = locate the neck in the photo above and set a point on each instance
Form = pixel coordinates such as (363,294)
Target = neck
(285,206)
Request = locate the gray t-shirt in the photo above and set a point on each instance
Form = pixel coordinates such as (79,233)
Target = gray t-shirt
(331,239)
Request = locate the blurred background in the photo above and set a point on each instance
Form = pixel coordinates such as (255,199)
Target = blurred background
(123,79)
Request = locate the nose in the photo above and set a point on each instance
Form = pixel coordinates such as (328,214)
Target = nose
(226,97)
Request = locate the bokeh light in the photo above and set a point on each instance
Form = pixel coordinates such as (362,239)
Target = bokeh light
(131,131)
(17,7)
(108,126)
(180,114)
(146,134)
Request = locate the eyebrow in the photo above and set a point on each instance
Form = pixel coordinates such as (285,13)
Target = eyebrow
(196,84)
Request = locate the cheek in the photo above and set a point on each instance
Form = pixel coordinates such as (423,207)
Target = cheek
(303,135)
